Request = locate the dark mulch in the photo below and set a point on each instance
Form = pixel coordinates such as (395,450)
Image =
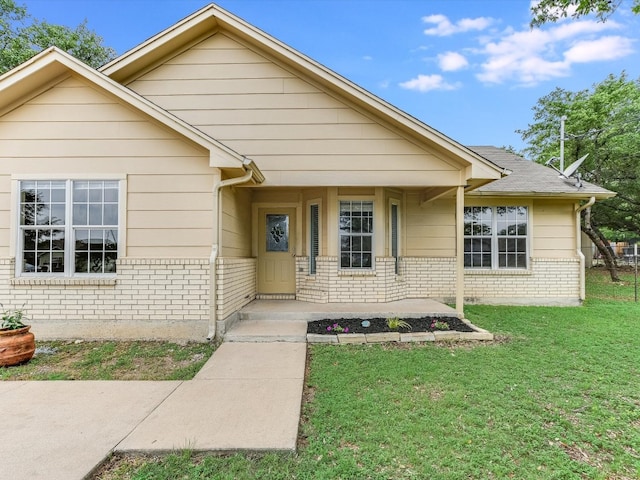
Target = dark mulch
(379,325)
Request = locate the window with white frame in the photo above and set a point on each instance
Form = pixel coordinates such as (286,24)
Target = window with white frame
(356,234)
(496,237)
(68,227)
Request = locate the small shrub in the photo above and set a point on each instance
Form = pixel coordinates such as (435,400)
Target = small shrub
(437,325)
(12,319)
(337,328)
(394,323)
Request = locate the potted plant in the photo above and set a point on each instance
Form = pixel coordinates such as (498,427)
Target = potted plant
(17,343)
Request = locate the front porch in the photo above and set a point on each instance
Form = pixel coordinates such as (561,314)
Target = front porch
(286,320)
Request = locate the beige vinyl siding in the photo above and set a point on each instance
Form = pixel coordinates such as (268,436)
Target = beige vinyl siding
(554,226)
(236,222)
(430,228)
(74,129)
(297,133)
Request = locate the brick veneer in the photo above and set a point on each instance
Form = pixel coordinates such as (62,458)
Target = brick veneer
(236,284)
(150,298)
(548,281)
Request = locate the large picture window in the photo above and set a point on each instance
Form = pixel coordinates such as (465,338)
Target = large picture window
(68,227)
(495,237)
(356,234)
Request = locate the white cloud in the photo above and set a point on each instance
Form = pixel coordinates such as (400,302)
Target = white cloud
(367,58)
(602,49)
(452,61)
(529,57)
(443,26)
(426,83)
(519,55)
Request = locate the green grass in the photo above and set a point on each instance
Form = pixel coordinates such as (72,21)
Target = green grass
(556,397)
(112,361)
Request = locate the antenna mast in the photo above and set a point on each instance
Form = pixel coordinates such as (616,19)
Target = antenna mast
(562,120)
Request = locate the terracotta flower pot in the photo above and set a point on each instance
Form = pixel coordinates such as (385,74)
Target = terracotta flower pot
(16,346)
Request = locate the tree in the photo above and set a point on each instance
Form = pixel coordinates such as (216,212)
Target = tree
(22,36)
(553,10)
(605,123)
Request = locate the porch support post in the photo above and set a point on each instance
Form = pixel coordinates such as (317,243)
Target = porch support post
(460,250)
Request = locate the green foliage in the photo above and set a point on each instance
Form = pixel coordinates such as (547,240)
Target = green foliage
(604,122)
(546,11)
(12,319)
(395,323)
(22,36)
(555,397)
(441,326)
(136,360)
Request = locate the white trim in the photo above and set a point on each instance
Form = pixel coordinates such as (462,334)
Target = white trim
(17,247)
(310,203)
(494,239)
(358,198)
(68,176)
(397,203)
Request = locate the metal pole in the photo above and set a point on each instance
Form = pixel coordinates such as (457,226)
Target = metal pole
(562,120)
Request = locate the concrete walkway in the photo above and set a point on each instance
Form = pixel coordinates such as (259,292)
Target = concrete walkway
(246,397)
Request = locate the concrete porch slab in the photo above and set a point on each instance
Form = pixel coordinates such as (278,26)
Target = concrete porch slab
(267,331)
(297,310)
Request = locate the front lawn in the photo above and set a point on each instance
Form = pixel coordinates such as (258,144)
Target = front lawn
(110,360)
(556,397)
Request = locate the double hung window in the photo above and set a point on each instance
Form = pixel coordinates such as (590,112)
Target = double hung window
(68,227)
(356,234)
(495,237)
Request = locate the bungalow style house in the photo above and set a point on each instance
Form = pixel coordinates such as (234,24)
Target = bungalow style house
(213,164)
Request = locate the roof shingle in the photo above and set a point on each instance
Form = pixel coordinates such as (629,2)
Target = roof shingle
(530,178)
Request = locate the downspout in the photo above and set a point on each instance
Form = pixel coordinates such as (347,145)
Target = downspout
(215,248)
(579,210)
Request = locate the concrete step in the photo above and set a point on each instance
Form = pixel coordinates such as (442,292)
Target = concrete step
(268,330)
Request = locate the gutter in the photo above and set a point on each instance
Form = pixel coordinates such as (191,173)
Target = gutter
(250,173)
(579,210)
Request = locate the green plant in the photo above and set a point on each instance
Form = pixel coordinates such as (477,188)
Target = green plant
(437,325)
(12,319)
(336,327)
(394,323)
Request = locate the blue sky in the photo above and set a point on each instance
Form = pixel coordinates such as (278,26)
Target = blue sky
(472,69)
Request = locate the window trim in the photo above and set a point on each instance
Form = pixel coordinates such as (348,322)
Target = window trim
(393,202)
(16,246)
(352,199)
(311,203)
(495,259)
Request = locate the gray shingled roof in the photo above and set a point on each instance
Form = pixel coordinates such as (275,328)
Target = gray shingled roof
(531,178)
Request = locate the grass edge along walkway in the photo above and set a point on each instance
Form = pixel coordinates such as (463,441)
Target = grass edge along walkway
(556,397)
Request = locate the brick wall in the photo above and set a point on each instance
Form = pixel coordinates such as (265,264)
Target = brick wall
(430,277)
(549,281)
(332,285)
(149,299)
(236,284)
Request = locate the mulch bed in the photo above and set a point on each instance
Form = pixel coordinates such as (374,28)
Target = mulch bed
(379,325)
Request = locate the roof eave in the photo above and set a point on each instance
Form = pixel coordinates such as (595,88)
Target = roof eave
(548,195)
